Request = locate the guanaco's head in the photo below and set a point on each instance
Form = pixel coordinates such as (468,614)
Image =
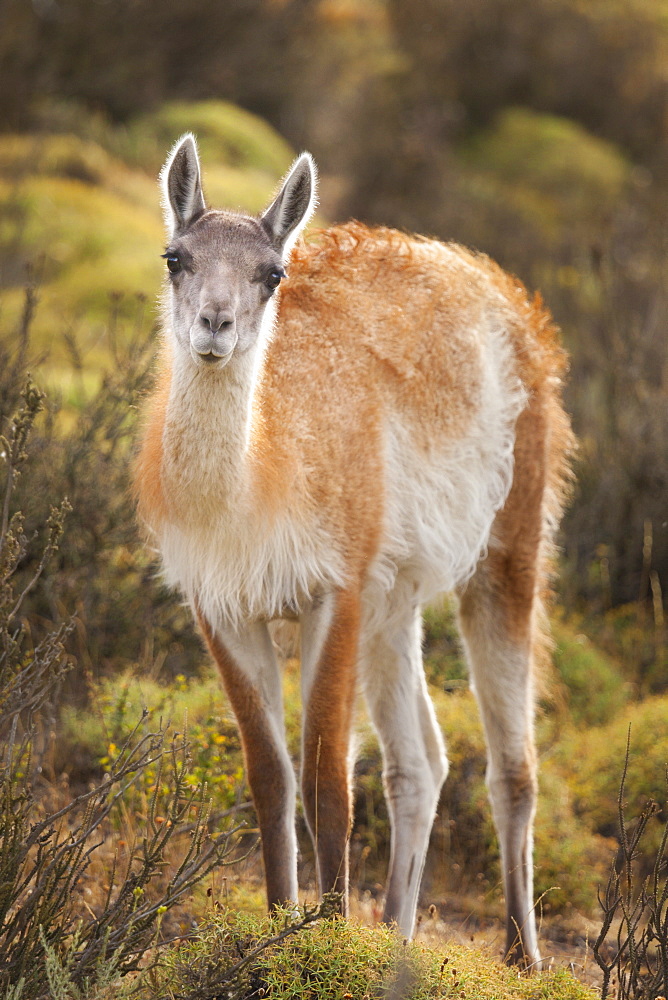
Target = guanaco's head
(224,267)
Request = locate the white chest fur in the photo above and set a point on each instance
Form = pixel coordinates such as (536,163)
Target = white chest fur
(226,551)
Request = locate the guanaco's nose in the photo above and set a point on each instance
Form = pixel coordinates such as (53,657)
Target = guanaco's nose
(216,317)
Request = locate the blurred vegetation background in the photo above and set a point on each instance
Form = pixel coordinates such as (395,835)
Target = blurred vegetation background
(533,130)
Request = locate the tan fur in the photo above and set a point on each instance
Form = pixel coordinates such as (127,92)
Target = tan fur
(386,356)
(325,768)
(152,505)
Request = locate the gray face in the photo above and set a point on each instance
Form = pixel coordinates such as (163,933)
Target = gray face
(224,267)
(223,270)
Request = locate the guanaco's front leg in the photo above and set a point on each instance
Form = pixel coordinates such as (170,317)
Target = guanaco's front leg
(251,676)
(330,641)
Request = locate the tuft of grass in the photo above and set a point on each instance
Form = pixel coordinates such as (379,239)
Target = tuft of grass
(338,959)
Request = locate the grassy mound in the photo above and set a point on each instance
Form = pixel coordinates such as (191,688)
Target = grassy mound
(339,959)
(225,133)
(548,172)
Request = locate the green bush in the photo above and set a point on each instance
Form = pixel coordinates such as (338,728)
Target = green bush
(571,859)
(590,687)
(548,171)
(632,945)
(82,448)
(89,737)
(444,660)
(633,635)
(571,853)
(591,761)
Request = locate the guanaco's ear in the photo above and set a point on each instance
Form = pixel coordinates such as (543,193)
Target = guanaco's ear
(183,200)
(293,206)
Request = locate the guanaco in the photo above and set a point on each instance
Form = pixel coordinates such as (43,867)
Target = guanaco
(342,429)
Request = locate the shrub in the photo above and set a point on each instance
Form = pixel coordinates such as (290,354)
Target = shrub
(444,661)
(225,133)
(555,181)
(570,858)
(634,635)
(82,448)
(633,940)
(590,687)
(463,858)
(48,939)
(585,758)
(90,735)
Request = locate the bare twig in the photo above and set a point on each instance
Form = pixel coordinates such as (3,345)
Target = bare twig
(639,955)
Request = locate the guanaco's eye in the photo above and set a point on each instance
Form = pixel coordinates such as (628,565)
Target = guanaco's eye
(173,262)
(274,277)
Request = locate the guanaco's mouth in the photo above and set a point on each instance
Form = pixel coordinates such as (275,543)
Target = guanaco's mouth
(210,360)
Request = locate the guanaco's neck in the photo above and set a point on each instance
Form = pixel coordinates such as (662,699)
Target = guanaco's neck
(207,440)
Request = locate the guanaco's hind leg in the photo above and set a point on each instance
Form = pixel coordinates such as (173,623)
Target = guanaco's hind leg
(330,650)
(498,612)
(414,761)
(251,676)
(496,628)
